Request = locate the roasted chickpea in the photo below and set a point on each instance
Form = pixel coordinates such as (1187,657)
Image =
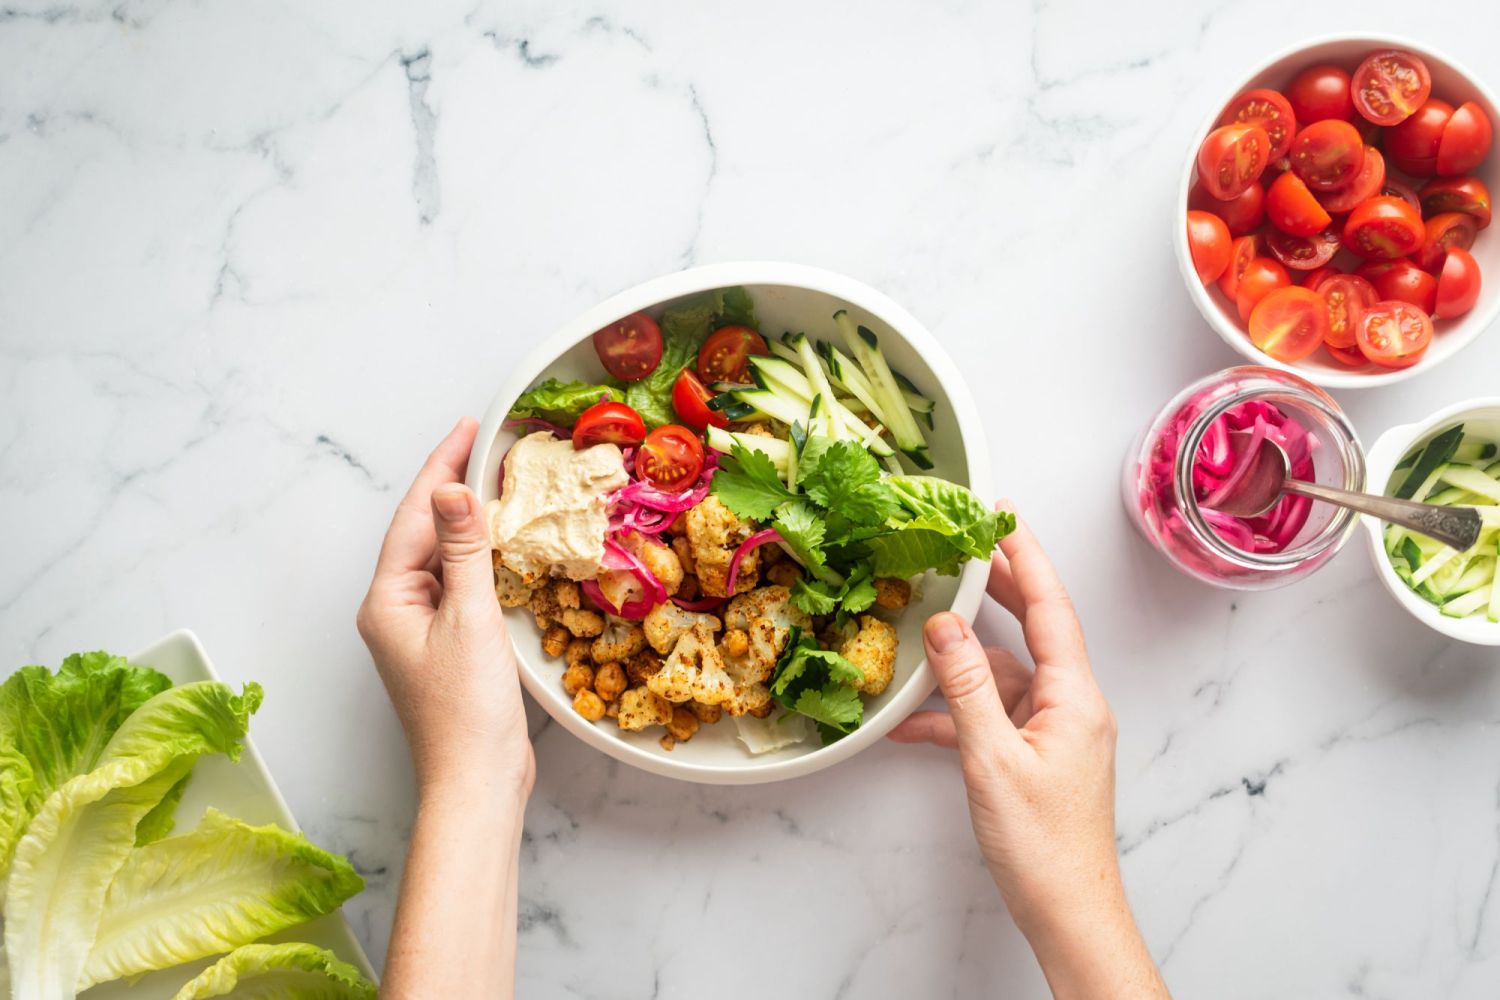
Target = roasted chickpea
(667,742)
(706,714)
(892,593)
(612,709)
(555,640)
(642,665)
(609,681)
(761,711)
(785,573)
(736,642)
(684,550)
(683,725)
(589,705)
(578,677)
(577,652)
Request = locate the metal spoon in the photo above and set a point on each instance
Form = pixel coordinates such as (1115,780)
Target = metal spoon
(1267,479)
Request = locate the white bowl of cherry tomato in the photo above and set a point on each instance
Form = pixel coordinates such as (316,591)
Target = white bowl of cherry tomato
(1333,212)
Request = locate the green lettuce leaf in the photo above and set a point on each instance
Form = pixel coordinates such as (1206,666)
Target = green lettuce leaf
(911,551)
(85,831)
(279,972)
(953,511)
(53,728)
(559,402)
(223,885)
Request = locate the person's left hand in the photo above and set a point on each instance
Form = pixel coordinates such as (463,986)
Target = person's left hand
(436,632)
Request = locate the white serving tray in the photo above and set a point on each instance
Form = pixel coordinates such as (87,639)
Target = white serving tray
(244,790)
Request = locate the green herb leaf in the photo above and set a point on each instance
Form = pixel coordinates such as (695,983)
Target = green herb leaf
(747,483)
(815,597)
(801,527)
(838,708)
(559,402)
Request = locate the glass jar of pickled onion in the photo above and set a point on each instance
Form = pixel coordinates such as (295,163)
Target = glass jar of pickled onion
(1195,451)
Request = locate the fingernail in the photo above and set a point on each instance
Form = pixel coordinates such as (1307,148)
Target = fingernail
(452,502)
(945,632)
(1005,504)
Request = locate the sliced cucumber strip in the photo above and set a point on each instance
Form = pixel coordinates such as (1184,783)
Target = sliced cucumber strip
(1471,479)
(865,347)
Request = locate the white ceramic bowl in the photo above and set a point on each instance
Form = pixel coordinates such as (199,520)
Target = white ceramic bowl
(1479,415)
(1451,82)
(787,297)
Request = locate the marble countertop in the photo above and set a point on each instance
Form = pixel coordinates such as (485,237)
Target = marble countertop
(255,258)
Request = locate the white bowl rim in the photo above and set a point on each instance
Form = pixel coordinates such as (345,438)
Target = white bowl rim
(1233,335)
(972,577)
(1380,461)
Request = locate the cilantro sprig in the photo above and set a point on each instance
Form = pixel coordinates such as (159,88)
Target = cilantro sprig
(819,684)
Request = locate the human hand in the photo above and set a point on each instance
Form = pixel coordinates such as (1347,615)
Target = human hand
(437,635)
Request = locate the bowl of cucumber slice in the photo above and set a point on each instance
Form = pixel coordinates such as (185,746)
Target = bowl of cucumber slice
(1451,458)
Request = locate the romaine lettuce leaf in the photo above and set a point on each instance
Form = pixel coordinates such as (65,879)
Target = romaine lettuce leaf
(223,885)
(279,972)
(85,831)
(559,402)
(954,511)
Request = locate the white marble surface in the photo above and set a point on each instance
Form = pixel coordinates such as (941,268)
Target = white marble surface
(256,257)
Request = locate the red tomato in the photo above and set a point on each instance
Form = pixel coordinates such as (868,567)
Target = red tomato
(629,348)
(1303,253)
(1242,214)
(690,399)
(1289,323)
(1328,154)
(1241,252)
(1347,296)
(1262,276)
(1384,228)
(1394,334)
(1389,85)
(1315,279)
(1320,92)
(1413,145)
(1350,357)
(608,423)
(1208,241)
(1457,194)
(1443,233)
(1232,158)
(1404,281)
(1393,188)
(725,355)
(1270,111)
(1458,288)
(1367,185)
(1292,208)
(671,458)
(1465,141)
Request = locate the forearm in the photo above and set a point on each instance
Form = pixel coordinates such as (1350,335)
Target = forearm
(455,932)
(1094,950)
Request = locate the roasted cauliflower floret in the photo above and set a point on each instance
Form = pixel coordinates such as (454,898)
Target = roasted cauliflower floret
(714,532)
(640,707)
(581,623)
(764,618)
(873,650)
(549,601)
(619,641)
(695,670)
(510,589)
(642,665)
(774,602)
(666,623)
(657,557)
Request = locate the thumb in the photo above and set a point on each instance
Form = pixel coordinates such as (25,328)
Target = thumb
(964,675)
(463,543)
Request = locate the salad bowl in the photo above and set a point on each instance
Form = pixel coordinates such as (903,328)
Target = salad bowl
(787,297)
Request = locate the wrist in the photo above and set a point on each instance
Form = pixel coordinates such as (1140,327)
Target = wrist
(470,786)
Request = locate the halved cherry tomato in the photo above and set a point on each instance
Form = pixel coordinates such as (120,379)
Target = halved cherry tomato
(1347,297)
(1232,158)
(1466,140)
(1457,194)
(1384,228)
(1394,334)
(1268,109)
(1241,252)
(1208,242)
(1394,188)
(1367,185)
(671,458)
(1320,92)
(1292,208)
(1289,323)
(1443,233)
(1314,279)
(1261,277)
(725,355)
(690,399)
(629,348)
(1347,356)
(1389,85)
(1242,214)
(1303,253)
(1458,288)
(608,423)
(1404,281)
(1413,145)
(1328,154)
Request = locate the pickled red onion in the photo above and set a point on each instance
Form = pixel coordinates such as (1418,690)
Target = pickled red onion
(759,538)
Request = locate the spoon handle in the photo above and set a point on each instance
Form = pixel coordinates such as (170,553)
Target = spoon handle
(1457,527)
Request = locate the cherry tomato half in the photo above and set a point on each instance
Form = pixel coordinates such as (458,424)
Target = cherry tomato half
(1208,241)
(1367,185)
(1303,253)
(629,348)
(1394,334)
(1394,188)
(1314,279)
(1404,281)
(1389,85)
(1232,158)
(1458,288)
(725,355)
(1347,356)
(1466,140)
(1289,324)
(1242,214)
(1347,296)
(1241,252)
(1457,194)
(671,458)
(1320,92)
(608,423)
(1328,154)
(1261,277)
(1413,145)
(1268,109)
(1383,228)
(1292,208)
(690,399)
(1444,232)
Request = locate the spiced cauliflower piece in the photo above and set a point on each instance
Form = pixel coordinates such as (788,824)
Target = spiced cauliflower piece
(510,589)
(764,617)
(641,707)
(657,557)
(873,650)
(618,641)
(694,671)
(582,623)
(666,623)
(715,532)
(550,601)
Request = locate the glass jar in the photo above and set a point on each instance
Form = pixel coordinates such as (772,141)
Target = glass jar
(1158,479)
